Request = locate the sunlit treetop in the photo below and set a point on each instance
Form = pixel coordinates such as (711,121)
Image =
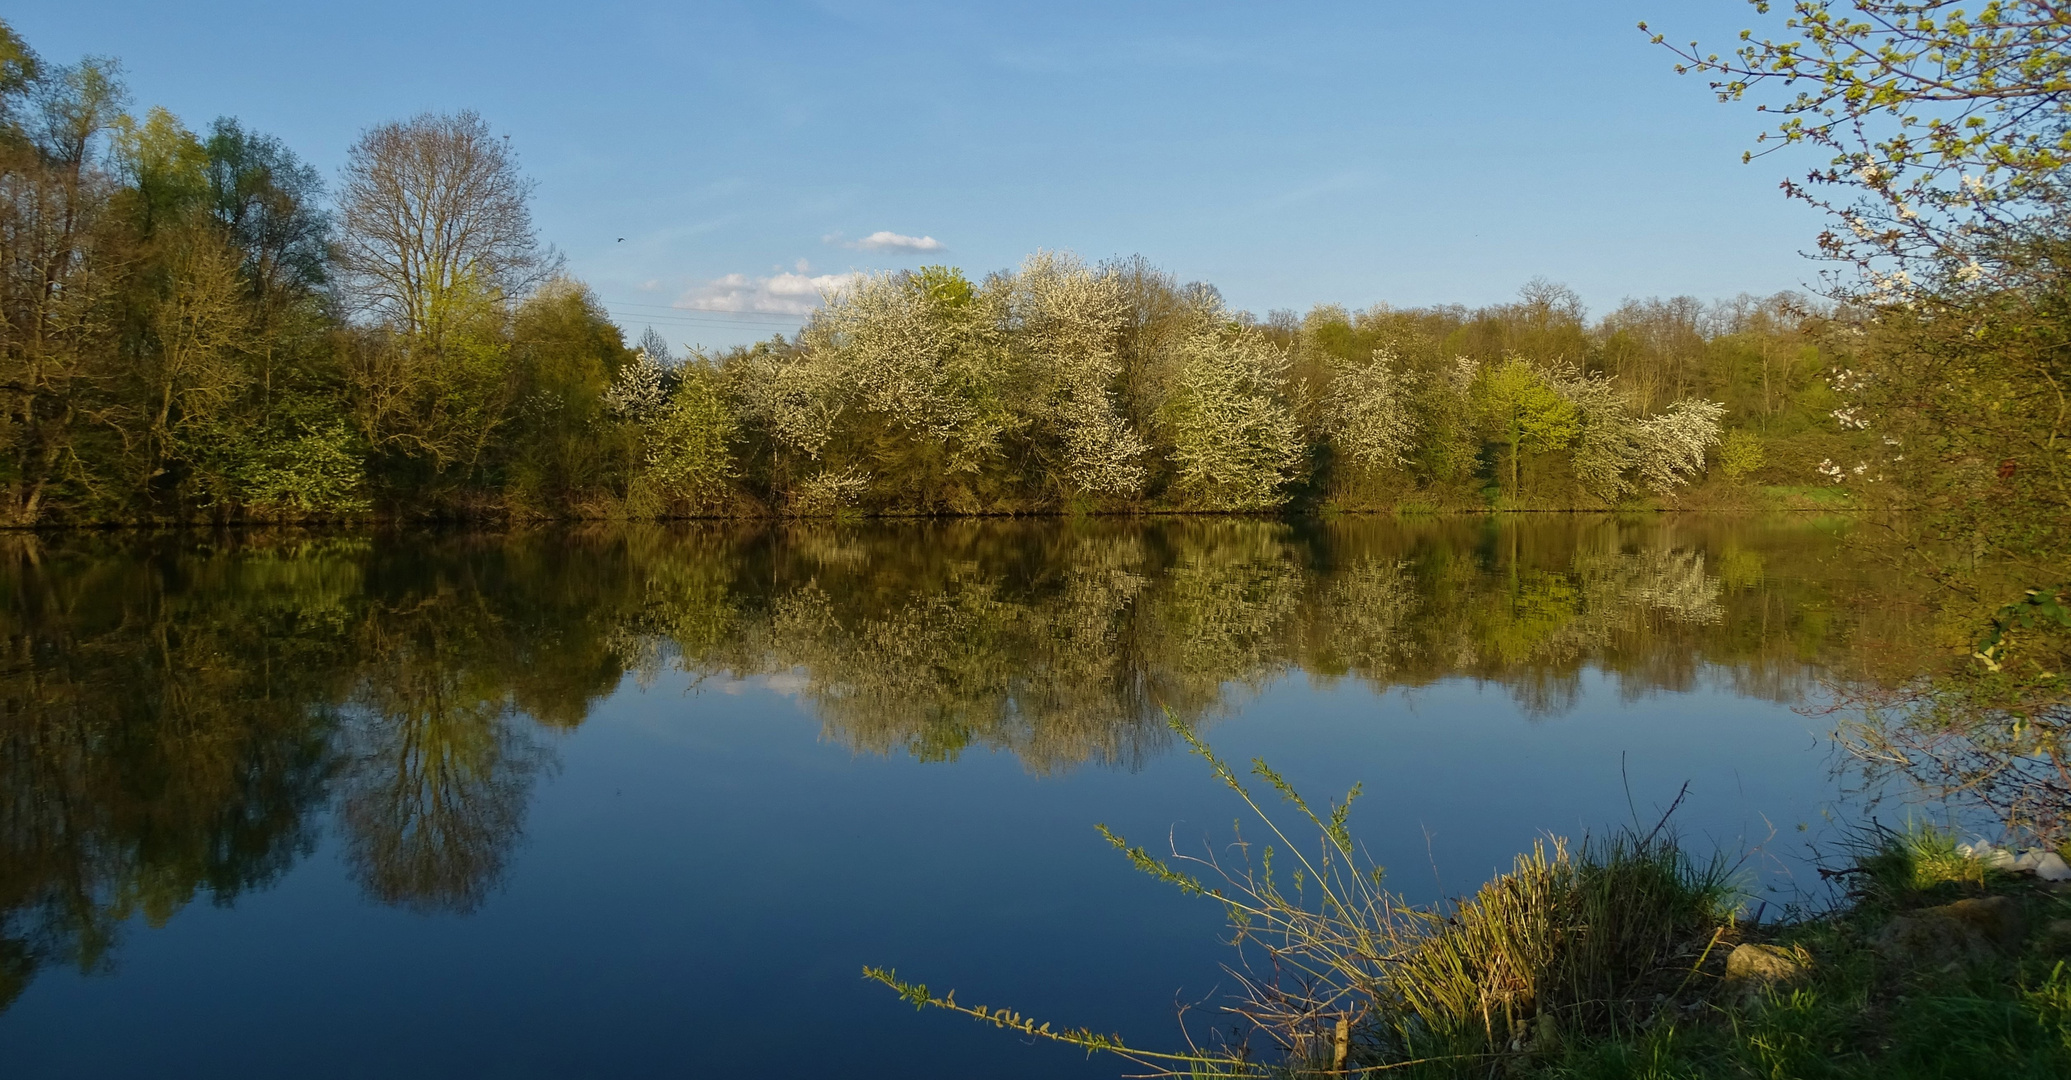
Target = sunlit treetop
(1949,125)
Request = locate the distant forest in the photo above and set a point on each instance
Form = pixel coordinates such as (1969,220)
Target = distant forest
(198,327)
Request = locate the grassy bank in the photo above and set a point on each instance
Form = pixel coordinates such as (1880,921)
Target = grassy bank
(1931,965)
(1617,957)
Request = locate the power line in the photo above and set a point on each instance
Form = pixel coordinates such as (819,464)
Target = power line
(713,318)
(706,313)
(716,316)
(685,327)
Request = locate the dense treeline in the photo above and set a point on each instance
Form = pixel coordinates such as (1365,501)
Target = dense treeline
(196,327)
(1061,385)
(182,717)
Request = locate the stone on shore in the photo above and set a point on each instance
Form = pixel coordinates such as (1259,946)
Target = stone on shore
(1752,966)
(1965,932)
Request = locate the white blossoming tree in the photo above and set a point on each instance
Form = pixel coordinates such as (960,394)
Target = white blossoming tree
(925,352)
(1369,411)
(1672,444)
(1066,319)
(639,390)
(793,396)
(1235,443)
(1615,453)
(1604,453)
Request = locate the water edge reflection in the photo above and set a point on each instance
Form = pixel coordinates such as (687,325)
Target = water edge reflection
(184,713)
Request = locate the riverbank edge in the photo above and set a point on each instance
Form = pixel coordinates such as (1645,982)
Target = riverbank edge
(507,518)
(1930,962)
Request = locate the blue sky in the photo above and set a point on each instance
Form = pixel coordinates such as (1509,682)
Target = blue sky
(1352,153)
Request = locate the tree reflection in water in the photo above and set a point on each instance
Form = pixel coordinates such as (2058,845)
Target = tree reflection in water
(181,712)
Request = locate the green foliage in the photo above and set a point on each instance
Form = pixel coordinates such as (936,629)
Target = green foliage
(1945,123)
(1921,858)
(690,444)
(312,465)
(1741,455)
(2038,609)
(1992,732)
(1525,413)
(166,168)
(563,446)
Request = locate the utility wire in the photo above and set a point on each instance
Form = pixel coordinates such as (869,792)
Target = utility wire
(697,322)
(715,312)
(655,313)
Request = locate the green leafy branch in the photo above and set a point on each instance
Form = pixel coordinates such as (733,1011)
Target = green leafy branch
(2038,609)
(1085,1039)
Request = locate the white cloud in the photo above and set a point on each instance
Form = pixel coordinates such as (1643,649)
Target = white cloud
(886,240)
(784,294)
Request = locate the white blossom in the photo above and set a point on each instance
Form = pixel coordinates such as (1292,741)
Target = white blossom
(639,390)
(1672,445)
(1067,319)
(795,395)
(1367,411)
(1606,447)
(932,364)
(1236,444)
(827,491)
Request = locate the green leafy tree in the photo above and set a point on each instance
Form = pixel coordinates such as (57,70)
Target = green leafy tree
(1523,410)
(562,449)
(1741,455)
(689,445)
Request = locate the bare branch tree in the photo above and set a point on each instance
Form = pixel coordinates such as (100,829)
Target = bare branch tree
(428,204)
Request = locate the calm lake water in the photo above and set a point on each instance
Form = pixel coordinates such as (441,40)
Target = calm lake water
(640,802)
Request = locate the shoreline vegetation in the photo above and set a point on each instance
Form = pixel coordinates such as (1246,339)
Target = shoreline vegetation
(1780,502)
(1616,957)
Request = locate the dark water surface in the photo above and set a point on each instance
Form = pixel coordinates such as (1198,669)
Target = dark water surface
(641,802)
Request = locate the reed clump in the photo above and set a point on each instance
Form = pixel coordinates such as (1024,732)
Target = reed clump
(1576,941)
